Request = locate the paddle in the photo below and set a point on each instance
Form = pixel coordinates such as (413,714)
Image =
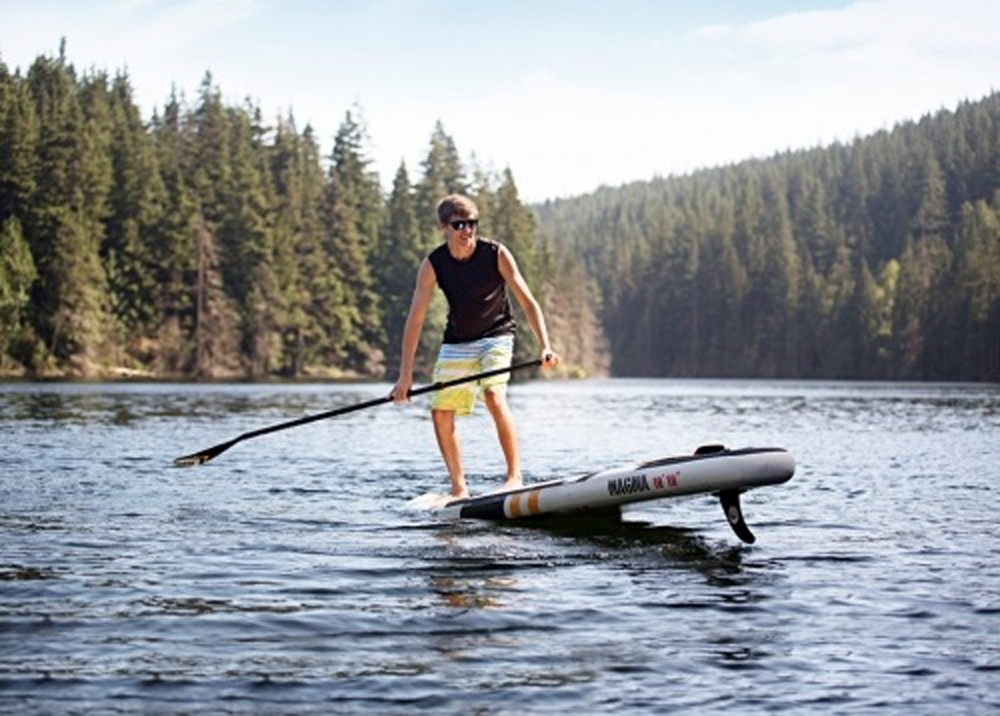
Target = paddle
(198,458)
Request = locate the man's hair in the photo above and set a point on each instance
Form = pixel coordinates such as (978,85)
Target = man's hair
(456,206)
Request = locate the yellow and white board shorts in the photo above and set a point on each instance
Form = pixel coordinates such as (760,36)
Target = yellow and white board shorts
(457,360)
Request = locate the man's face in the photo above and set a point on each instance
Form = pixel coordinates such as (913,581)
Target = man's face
(463,229)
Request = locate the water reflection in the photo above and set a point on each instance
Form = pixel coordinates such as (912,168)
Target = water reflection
(125,403)
(486,565)
(678,546)
(472,575)
(473,591)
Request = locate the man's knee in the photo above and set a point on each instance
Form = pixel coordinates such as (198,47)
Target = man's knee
(495,398)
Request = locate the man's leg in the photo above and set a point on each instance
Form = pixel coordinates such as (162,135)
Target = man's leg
(496,402)
(447,438)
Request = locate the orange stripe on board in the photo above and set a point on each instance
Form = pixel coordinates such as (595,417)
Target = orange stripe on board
(514,506)
(533,502)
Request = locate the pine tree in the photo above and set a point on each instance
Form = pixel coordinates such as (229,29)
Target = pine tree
(779,281)
(137,200)
(977,278)
(17,274)
(310,340)
(247,240)
(909,304)
(292,239)
(208,169)
(442,175)
(18,146)
(400,250)
(514,226)
(724,284)
(66,227)
(353,205)
(931,240)
(216,314)
(174,247)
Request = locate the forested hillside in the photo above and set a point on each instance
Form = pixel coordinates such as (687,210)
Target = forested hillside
(210,242)
(878,259)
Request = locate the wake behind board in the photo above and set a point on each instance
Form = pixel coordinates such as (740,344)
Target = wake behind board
(712,469)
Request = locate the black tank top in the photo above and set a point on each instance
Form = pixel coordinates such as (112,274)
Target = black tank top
(478,306)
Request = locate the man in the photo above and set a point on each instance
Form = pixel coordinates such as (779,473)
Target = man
(474,274)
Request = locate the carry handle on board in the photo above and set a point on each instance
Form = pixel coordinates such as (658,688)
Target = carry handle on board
(199,458)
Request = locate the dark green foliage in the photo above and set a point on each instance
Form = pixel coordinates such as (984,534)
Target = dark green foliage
(206,243)
(17,273)
(65,222)
(353,207)
(877,259)
(400,249)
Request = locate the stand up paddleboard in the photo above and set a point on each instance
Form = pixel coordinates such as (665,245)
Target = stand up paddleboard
(711,469)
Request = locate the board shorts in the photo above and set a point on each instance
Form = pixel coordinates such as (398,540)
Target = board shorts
(457,360)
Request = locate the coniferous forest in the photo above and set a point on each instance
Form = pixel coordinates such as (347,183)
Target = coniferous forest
(878,259)
(212,241)
(209,242)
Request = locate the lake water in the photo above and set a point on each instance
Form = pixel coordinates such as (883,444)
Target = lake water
(290,575)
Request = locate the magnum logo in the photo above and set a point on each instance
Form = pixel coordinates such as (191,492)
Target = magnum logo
(628,485)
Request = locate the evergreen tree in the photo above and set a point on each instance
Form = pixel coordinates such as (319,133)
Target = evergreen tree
(247,239)
(137,200)
(908,310)
(296,236)
(401,249)
(931,240)
(18,146)
(17,273)
(779,282)
(173,242)
(724,283)
(208,169)
(315,265)
(206,160)
(353,205)
(978,284)
(511,223)
(442,175)
(66,228)
(216,315)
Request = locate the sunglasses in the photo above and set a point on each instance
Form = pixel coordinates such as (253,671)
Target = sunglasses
(461,224)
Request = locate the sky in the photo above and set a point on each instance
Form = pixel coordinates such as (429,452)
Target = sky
(571,95)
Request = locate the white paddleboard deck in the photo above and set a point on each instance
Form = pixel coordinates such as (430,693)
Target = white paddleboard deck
(712,469)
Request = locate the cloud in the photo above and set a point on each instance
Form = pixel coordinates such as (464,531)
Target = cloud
(110,34)
(158,43)
(726,92)
(864,44)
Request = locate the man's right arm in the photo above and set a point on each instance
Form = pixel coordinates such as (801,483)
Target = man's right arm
(422,293)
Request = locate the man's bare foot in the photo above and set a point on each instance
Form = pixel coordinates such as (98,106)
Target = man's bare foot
(460,495)
(513,483)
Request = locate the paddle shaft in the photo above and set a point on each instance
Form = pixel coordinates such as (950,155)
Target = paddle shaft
(204,456)
(440,385)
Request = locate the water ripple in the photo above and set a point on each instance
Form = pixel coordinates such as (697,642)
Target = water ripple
(288,575)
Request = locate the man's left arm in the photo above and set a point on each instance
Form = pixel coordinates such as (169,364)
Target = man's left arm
(533,312)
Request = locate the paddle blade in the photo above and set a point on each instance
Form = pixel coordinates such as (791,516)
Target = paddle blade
(200,458)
